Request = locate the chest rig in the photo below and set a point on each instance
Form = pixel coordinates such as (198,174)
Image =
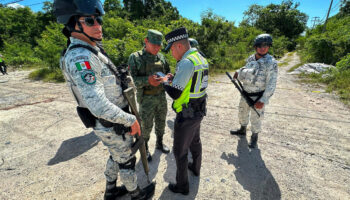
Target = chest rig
(148,68)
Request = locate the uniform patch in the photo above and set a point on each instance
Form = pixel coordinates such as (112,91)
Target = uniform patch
(88,77)
(84,65)
(80,58)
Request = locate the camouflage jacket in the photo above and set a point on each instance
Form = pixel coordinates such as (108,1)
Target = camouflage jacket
(93,85)
(142,64)
(259,75)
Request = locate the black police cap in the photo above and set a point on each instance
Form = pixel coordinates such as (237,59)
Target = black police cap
(175,35)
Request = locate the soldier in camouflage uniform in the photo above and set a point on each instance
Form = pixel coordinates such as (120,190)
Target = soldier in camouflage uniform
(259,77)
(150,93)
(98,92)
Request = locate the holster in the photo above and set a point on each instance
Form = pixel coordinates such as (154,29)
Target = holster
(196,108)
(88,119)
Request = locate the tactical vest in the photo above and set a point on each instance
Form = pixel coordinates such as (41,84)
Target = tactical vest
(197,85)
(150,68)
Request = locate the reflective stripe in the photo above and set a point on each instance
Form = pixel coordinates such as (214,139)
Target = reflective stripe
(198,81)
(197,95)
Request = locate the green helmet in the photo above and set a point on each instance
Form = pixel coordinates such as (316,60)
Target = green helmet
(65,9)
(263,38)
(193,42)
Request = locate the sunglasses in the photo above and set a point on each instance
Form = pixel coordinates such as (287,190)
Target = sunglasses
(90,21)
(263,46)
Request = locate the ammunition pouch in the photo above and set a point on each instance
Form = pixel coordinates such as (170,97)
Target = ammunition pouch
(88,119)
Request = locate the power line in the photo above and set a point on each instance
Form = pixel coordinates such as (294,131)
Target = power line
(12,2)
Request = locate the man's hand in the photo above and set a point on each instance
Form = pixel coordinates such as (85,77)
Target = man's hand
(259,105)
(170,77)
(135,128)
(235,75)
(153,80)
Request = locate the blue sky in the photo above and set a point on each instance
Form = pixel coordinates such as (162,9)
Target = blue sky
(231,10)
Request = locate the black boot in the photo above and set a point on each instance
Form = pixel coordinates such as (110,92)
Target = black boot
(112,192)
(242,131)
(253,140)
(161,146)
(143,194)
(149,157)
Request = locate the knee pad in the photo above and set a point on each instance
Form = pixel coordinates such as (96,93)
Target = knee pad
(130,164)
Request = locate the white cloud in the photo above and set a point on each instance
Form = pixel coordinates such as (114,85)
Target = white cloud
(15,5)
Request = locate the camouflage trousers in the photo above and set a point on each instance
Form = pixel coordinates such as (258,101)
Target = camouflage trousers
(120,152)
(153,109)
(245,113)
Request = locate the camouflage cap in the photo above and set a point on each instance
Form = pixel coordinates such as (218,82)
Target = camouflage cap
(155,37)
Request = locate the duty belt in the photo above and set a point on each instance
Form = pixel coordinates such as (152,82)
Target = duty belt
(120,129)
(254,94)
(154,91)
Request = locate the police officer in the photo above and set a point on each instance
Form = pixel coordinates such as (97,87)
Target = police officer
(3,66)
(97,88)
(144,65)
(259,77)
(188,89)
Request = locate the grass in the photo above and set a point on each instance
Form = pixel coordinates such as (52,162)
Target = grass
(47,75)
(336,81)
(295,67)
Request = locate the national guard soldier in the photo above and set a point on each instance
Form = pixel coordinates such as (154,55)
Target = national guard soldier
(259,77)
(188,89)
(97,88)
(3,67)
(144,65)
(194,44)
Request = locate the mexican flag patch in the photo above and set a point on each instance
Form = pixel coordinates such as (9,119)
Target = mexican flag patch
(83,65)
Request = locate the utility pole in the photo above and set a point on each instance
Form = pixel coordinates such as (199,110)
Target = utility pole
(315,19)
(325,23)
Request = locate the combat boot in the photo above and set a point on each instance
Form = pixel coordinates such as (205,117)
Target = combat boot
(149,157)
(253,140)
(161,146)
(242,131)
(143,194)
(112,192)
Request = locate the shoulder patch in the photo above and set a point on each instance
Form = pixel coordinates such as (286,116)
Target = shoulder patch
(84,65)
(80,58)
(88,77)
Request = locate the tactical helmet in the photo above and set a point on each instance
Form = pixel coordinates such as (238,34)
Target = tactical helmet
(65,9)
(193,42)
(263,38)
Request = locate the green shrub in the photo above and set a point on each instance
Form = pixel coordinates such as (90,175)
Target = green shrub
(47,75)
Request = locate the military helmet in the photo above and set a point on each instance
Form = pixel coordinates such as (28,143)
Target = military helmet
(263,38)
(193,42)
(65,9)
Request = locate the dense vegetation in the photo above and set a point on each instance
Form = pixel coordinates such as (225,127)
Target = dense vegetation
(34,39)
(331,46)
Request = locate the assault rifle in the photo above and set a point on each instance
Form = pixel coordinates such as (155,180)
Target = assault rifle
(140,142)
(239,87)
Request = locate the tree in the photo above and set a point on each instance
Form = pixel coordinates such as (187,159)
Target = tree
(280,20)
(20,24)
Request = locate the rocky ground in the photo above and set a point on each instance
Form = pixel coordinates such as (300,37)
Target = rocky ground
(303,152)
